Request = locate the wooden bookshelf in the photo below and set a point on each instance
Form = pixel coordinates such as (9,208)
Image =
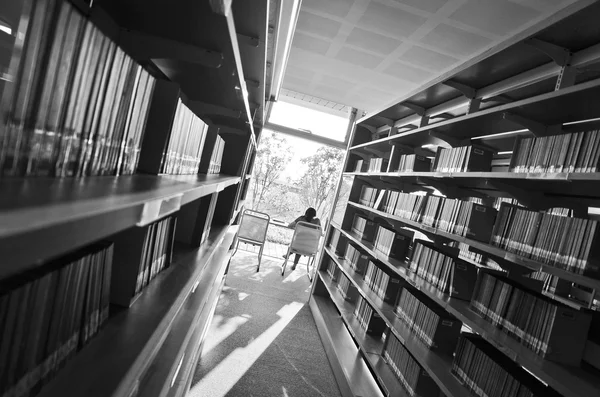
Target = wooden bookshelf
(443,114)
(151,342)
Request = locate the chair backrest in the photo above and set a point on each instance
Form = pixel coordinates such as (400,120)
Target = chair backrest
(253,226)
(306,238)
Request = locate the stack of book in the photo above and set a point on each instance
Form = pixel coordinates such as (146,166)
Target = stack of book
(564,242)
(368,318)
(358,261)
(411,375)
(157,252)
(434,326)
(217,156)
(186,141)
(49,314)
(377,164)
(549,328)
(384,284)
(449,275)
(391,243)
(332,270)
(413,163)
(346,288)
(364,227)
(463,159)
(78,105)
(575,152)
(368,196)
(494,374)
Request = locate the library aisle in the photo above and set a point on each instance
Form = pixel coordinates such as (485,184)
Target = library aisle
(263,340)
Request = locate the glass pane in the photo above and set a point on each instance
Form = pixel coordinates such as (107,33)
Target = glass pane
(309,120)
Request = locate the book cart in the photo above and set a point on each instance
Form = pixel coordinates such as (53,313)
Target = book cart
(465,263)
(116,221)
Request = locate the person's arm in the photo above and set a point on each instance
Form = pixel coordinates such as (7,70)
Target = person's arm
(293,224)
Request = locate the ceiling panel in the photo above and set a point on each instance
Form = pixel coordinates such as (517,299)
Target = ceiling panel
(368,53)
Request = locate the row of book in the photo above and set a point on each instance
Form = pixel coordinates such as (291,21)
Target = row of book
(443,271)
(416,381)
(364,227)
(463,159)
(552,237)
(368,196)
(368,319)
(186,141)
(217,156)
(157,252)
(435,327)
(485,371)
(549,328)
(345,287)
(78,105)
(50,313)
(391,243)
(564,242)
(332,270)
(385,285)
(574,152)
(413,163)
(377,164)
(358,261)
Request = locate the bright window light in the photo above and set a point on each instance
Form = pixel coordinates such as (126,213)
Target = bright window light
(309,120)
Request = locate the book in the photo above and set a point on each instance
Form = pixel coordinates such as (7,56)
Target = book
(217,156)
(79,102)
(564,242)
(48,314)
(463,159)
(435,327)
(569,152)
(356,258)
(485,371)
(393,243)
(554,331)
(185,144)
(368,318)
(445,272)
(382,281)
(413,378)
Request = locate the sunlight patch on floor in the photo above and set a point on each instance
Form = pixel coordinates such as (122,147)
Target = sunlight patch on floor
(225,328)
(242,295)
(228,372)
(294,276)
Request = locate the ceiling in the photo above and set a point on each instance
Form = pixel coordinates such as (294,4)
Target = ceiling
(368,53)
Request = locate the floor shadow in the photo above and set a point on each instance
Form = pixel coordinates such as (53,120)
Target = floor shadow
(263,340)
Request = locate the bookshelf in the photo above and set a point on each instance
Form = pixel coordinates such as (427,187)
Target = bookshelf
(492,105)
(133,215)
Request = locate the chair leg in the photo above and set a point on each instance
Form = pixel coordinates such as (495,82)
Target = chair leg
(285,261)
(260,253)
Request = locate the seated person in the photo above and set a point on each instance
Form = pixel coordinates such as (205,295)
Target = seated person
(310,216)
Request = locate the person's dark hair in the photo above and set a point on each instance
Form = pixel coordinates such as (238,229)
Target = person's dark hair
(310,214)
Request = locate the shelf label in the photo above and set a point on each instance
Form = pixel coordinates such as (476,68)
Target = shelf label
(156,209)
